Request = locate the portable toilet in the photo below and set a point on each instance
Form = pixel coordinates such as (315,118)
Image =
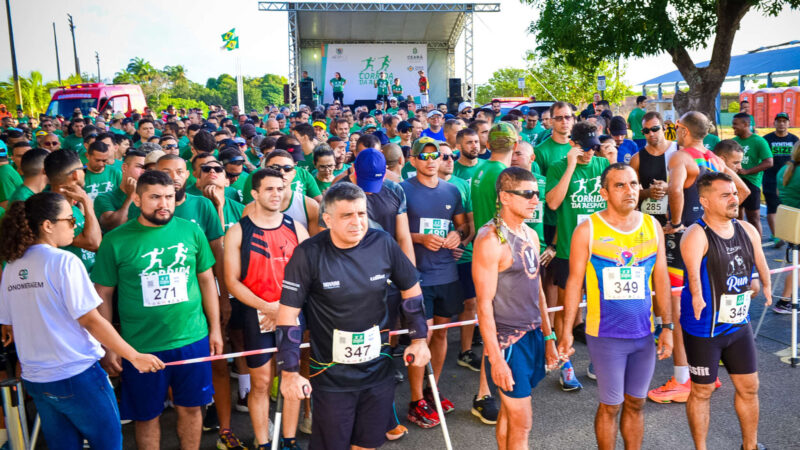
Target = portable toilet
(791,96)
(759,107)
(748,95)
(774,104)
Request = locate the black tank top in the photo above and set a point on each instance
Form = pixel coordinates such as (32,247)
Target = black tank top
(692,209)
(653,168)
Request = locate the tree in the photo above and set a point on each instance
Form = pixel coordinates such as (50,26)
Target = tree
(35,94)
(583,33)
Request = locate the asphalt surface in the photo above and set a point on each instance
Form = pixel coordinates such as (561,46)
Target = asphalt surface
(564,420)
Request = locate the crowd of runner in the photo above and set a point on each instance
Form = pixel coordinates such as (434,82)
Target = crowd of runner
(200,233)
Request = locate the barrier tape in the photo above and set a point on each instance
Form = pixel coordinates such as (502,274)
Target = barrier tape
(393,332)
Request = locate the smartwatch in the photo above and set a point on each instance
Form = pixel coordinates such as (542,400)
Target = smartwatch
(669,326)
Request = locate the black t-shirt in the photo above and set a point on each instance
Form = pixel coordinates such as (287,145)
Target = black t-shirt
(345,289)
(781,153)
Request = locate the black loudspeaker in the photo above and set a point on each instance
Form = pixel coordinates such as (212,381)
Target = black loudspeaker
(452,104)
(455,88)
(307,93)
(368,103)
(286,94)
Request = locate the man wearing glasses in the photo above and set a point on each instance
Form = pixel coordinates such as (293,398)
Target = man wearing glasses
(438,225)
(196,188)
(651,164)
(169,144)
(465,111)
(573,192)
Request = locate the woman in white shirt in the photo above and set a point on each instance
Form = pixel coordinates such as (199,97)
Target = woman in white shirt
(50,303)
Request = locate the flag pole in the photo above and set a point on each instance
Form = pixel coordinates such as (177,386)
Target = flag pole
(239,84)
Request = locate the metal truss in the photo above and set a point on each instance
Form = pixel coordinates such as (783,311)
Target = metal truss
(316,43)
(468,59)
(378,7)
(294,58)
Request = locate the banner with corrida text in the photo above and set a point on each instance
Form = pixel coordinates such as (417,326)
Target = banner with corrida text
(361,64)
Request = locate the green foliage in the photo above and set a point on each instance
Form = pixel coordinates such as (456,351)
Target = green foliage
(35,94)
(179,103)
(777,84)
(733,107)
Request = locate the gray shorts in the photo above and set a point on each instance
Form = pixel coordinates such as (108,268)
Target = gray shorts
(623,366)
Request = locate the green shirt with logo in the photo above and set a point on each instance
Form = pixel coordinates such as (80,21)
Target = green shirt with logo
(532,134)
(338,84)
(467,172)
(756,149)
(547,153)
(635,122)
(383,86)
(484,194)
(21,194)
(710,141)
(198,210)
(100,183)
(155,271)
(537,221)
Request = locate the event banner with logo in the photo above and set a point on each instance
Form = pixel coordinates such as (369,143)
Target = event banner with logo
(361,64)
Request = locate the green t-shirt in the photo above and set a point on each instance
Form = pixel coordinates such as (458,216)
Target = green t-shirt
(238,187)
(230,193)
(484,195)
(21,194)
(537,222)
(322,185)
(338,85)
(252,157)
(547,153)
(756,149)
(397,90)
(789,194)
(198,210)
(635,122)
(532,134)
(383,86)
(355,128)
(710,141)
(100,183)
(87,257)
(544,136)
(109,201)
(73,142)
(466,201)
(466,172)
(231,213)
(408,171)
(582,199)
(307,163)
(9,181)
(157,267)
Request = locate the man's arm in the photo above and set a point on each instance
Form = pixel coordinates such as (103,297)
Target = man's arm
(486,255)
(677,178)
(403,237)
(112,219)
(741,188)
(90,237)
(662,302)
(312,211)
(208,291)
(762,166)
(556,195)
(761,261)
(578,257)
(693,247)
(111,362)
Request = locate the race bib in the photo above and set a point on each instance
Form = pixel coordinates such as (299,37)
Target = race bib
(623,283)
(659,207)
(733,308)
(439,227)
(582,218)
(164,289)
(537,214)
(356,348)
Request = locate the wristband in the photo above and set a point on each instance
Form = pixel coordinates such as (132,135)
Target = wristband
(550,337)
(288,339)
(414,313)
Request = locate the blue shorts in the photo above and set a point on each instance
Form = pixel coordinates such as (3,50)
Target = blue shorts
(622,366)
(525,358)
(142,395)
(465,278)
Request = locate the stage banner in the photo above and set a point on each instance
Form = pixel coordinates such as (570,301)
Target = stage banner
(361,64)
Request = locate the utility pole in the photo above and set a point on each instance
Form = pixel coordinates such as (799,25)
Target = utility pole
(97,57)
(74,47)
(17,88)
(58,63)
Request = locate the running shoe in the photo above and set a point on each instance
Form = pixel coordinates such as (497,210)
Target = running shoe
(241,403)
(759,446)
(422,414)
(782,307)
(469,360)
(290,445)
(228,441)
(447,405)
(569,382)
(671,391)
(590,372)
(210,421)
(485,409)
(305,424)
(396,433)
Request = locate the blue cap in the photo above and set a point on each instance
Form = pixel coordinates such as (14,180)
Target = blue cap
(370,169)
(280,117)
(239,140)
(449,116)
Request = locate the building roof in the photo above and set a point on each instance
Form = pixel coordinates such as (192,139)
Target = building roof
(754,63)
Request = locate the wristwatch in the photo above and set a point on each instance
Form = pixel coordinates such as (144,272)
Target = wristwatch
(669,326)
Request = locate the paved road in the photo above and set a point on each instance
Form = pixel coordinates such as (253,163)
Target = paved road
(565,420)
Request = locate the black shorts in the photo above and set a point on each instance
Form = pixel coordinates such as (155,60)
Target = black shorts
(254,339)
(675,267)
(465,279)
(361,418)
(443,300)
(560,269)
(236,321)
(772,200)
(753,201)
(736,350)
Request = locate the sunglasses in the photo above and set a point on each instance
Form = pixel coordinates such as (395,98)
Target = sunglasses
(654,129)
(171,146)
(454,156)
(287,168)
(466,111)
(526,194)
(428,156)
(72,220)
(562,118)
(235,162)
(209,168)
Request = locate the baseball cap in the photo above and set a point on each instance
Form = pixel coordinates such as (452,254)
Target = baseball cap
(118,116)
(618,126)
(248,130)
(464,105)
(153,157)
(419,145)
(239,140)
(392,99)
(449,116)
(320,124)
(585,136)
(379,101)
(41,133)
(782,115)
(127,120)
(280,116)
(434,113)
(370,167)
(370,125)
(502,131)
(404,126)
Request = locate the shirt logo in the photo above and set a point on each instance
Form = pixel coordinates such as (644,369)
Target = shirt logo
(380,276)
(331,284)
(23,274)
(447,206)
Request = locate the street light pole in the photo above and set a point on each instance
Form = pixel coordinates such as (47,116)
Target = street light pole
(58,63)
(97,57)
(74,47)
(15,73)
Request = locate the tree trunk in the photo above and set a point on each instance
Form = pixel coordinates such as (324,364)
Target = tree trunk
(705,82)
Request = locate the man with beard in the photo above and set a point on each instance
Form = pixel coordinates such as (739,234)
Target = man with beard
(469,145)
(168,305)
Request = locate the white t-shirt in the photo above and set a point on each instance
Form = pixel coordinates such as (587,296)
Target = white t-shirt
(42,295)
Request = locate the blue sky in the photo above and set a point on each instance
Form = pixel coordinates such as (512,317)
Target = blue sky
(188,33)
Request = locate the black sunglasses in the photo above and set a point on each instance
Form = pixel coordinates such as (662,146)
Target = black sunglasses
(654,129)
(527,194)
(287,168)
(209,168)
(454,156)
(168,146)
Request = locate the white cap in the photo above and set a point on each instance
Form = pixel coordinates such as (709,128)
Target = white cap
(434,113)
(464,105)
